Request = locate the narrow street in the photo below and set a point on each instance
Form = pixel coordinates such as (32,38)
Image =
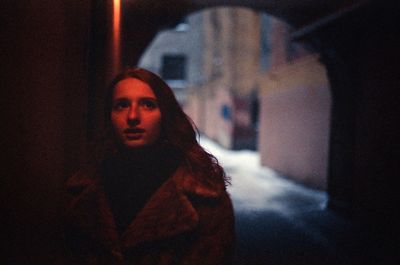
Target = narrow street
(282,222)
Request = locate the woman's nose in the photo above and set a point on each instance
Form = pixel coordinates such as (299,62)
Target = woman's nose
(133,115)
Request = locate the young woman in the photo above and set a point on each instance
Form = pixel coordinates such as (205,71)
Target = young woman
(156,197)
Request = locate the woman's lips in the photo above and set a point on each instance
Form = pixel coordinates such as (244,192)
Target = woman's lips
(134,133)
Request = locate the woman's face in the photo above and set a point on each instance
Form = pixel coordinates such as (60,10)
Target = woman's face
(135,114)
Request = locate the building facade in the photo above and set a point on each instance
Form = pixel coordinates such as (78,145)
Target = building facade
(225,104)
(295,106)
(176,55)
(247,85)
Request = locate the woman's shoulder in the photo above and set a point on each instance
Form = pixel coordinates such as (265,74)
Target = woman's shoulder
(194,185)
(210,200)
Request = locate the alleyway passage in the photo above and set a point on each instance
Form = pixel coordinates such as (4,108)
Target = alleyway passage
(280,222)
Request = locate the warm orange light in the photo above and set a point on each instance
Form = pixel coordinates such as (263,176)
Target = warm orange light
(116,42)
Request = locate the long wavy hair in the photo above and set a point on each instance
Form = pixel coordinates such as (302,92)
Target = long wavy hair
(177,129)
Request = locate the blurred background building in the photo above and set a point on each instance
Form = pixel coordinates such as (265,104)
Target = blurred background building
(247,85)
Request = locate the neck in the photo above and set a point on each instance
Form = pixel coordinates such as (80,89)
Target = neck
(141,156)
(154,158)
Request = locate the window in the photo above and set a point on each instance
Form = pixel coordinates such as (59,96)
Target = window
(182,25)
(174,67)
(265,45)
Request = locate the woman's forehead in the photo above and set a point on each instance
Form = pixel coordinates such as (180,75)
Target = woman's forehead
(132,88)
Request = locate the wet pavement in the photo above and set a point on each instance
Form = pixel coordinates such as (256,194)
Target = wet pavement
(281,222)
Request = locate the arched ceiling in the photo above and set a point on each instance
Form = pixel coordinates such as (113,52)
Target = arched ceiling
(296,12)
(144,18)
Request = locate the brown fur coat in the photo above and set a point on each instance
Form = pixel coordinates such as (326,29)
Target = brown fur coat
(184,222)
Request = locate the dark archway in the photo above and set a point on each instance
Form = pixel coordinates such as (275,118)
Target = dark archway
(144,18)
(357,44)
(339,29)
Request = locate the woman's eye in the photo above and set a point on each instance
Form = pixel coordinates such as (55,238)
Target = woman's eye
(148,104)
(121,105)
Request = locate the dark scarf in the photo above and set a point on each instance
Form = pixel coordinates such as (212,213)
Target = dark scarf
(131,178)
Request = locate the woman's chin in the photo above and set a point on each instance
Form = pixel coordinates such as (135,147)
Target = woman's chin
(135,145)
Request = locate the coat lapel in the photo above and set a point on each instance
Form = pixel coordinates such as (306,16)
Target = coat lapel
(90,209)
(169,211)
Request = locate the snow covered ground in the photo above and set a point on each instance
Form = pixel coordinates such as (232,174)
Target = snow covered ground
(257,188)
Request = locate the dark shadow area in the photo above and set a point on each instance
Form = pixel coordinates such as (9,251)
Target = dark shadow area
(310,238)
(279,221)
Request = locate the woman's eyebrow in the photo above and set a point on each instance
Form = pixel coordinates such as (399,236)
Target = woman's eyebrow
(150,98)
(120,99)
(139,98)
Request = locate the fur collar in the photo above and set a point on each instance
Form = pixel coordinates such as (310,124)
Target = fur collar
(169,211)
